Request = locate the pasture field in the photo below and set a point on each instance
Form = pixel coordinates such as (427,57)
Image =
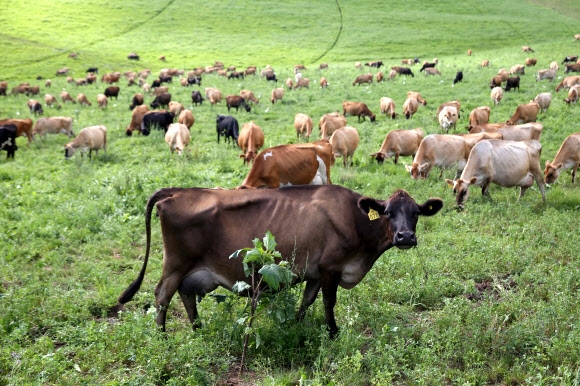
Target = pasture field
(490,295)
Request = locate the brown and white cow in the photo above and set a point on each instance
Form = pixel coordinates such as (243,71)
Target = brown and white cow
(573,94)
(23,127)
(479,116)
(303,125)
(388,107)
(329,123)
(364,78)
(525,113)
(337,246)
(568,82)
(54,125)
(456,104)
(505,163)
(186,118)
(568,156)
(410,107)
(177,137)
(90,138)
(517,69)
(250,140)
(358,109)
(277,95)
(296,164)
(344,143)
(399,143)
(448,118)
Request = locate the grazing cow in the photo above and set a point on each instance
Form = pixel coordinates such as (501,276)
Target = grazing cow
(251,140)
(137,100)
(102,101)
(82,100)
(388,107)
(213,95)
(227,126)
(194,80)
(90,138)
(23,127)
(110,78)
(65,96)
(513,83)
(303,125)
(543,99)
(186,118)
(94,70)
(48,83)
(469,52)
(324,83)
(297,164)
(237,101)
(531,62)
(505,163)
(329,123)
(568,156)
(496,95)
(289,83)
(527,49)
(484,63)
(432,71)
(277,95)
(525,132)
(21,89)
(380,77)
(525,113)
(161,101)
(405,71)
(32,90)
(236,74)
(410,107)
(546,74)
(570,59)
(577,37)
(504,74)
(427,65)
(112,92)
(357,230)
(408,62)
(35,107)
(8,139)
(357,108)
(392,74)
(177,137)
(479,116)
(572,68)
(133,56)
(573,94)
(302,83)
(357,65)
(249,96)
(417,95)
(456,104)
(175,108)
(399,143)
(251,70)
(51,101)
(375,64)
(568,82)
(448,118)
(81,82)
(458,77)
(271,76)
(323,66)
(158,119)
(344,143)
(196,97)
(444,151)
(554,66)
(3,88)
(364,78)
(54,125)
(62,71)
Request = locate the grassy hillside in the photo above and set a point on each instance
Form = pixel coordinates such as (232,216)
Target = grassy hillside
(490,296)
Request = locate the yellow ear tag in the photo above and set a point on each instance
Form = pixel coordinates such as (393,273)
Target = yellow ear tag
(373,215)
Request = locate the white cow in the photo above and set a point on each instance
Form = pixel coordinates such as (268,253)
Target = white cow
(177,137)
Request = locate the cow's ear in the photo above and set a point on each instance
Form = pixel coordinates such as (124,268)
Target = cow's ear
(559,166)
(409,168)
(547,162)
(430,207)
(473,180)
(366,204)
(449,182)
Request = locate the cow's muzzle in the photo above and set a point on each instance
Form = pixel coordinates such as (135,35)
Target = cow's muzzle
(405,240)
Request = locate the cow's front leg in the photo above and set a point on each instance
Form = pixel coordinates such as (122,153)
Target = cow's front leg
(330,282)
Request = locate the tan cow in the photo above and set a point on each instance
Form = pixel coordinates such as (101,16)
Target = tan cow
(323,82)
(136,119)
(469,52)
(357,108)
(543,99)
(527,49)
(546,74)
(54,125)
(186,118)
(573,94)
(250,140)
(530,62)
(50,100)
(568,156)
(577,37)
(392,74)
(388,107)
(48,83)
(417,95)
(213,95)
(90,138)
(302,83)
(164,89)
(364,78)
(431,71)
(249,96)
(23,127)
(568,82)
(554,66)
(329,123)
(399,143)
(525,113)
(65,96)
(277,95)
(517,69)
(505,163)
(479,116)
(504,74)
(484,63)
(448,118)
(410,107)
(82,100)
(177,137)
(175,107)
(344,143)
(496,95)
(303,125)
(102,101)
(525,132)
(495,81)
(380,76)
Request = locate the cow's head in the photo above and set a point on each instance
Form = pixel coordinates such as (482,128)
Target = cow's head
(418,171)
(402,213)
(68,151)
(461,190)
(552,172)
(380,157)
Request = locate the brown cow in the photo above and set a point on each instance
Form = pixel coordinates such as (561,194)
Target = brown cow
(364,78)
(525,113)
(236,102)
(23,127)
(573,94)
(410,107)
(527,49)
(250,140)
(302,83)
(344,143)
(417,95)
(568,156)
(504,74)
(337,246)
(572,68)
(277,95)
(102,100)
(213,95)
(54,125)
(530,62)
(357,108)
(65,96)
(289,83)
(303,125)
(479,116)
(136,119)
(82,100)
(51,101)
(388,107)
(329,123)
(186,118)
(136,101)
(249,96)
(399,143)
(568,82)
(495,81)
(323,82)
(297,164)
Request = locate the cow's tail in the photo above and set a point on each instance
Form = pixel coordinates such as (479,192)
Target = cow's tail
(128,294)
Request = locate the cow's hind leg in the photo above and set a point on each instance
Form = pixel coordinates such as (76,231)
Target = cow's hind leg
(164,291)
(309,296)
(190,304)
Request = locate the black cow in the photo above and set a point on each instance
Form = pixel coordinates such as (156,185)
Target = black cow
(196,97)
(570,59)
(8,139)
(227,126)
(156,119)
(94,70)
(194,80)
(236,74)
(513,83)
(427,65)
(376,64)
(137,101)
(166,79)
(458,77)
(271,76)
(161,100)
(406,71)
(133,56)
(156,83)
(112,91)
(35,107)
(237,101)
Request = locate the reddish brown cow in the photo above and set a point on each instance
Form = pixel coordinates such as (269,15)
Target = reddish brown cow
(525,113)
(23,127)
(364,78)
(568,156)
(136,119)
(250,140)
(357,108)
(303,125)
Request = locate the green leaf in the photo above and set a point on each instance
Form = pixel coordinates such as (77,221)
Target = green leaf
(242,320)
(252,256)
(274,274)
(258,340)
(240,286)
(237,253)
(269,242)
(257,243)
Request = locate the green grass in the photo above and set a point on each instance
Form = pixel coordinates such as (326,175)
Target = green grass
(488,297)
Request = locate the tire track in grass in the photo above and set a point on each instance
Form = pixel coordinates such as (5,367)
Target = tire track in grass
(337,36)
(63,51)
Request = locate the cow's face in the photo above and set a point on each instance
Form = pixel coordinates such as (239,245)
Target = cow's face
(461,190)
(552,172)
(68,151)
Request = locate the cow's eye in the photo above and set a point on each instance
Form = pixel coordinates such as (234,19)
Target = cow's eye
(387,213)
